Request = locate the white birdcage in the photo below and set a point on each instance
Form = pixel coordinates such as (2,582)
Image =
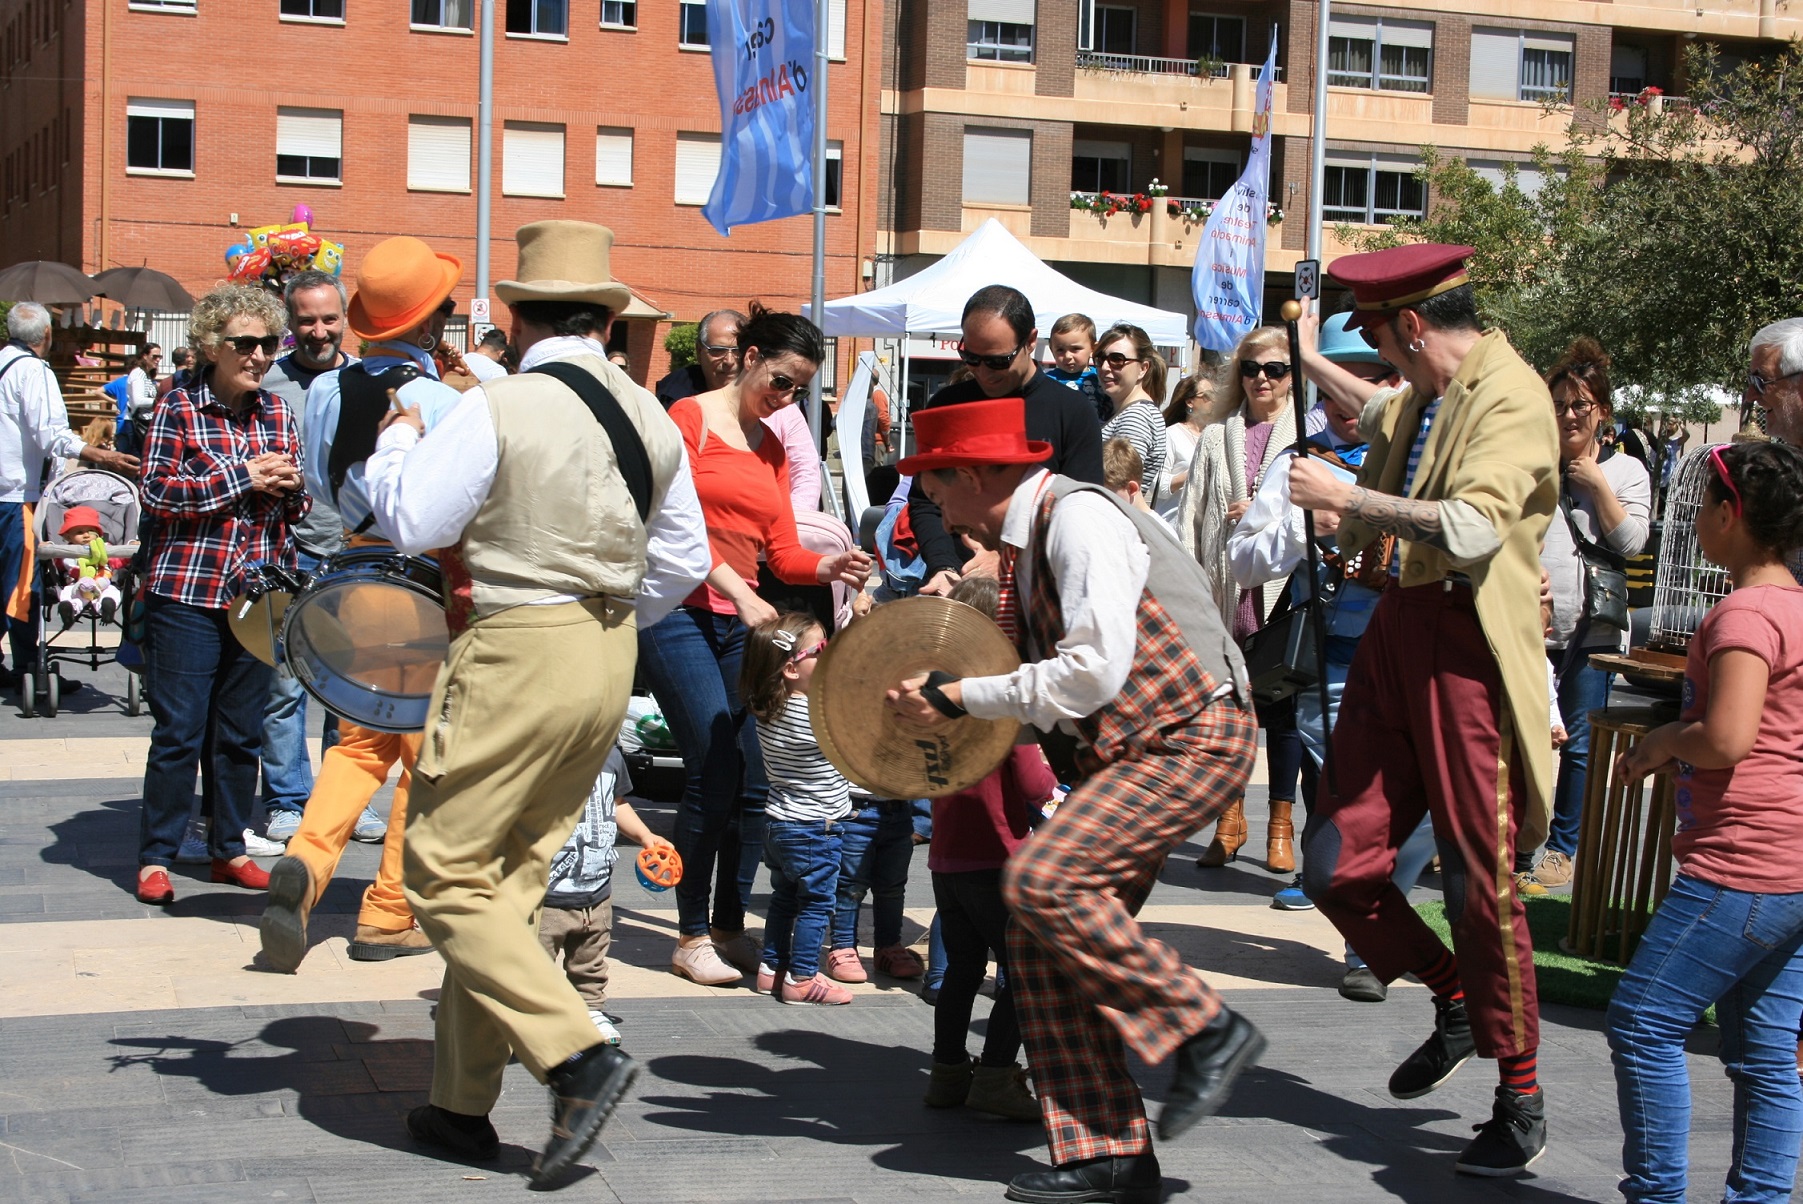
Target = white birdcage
(1685,585)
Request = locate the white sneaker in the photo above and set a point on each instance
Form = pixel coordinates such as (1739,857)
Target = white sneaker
(194,845)
(256,846)
(609,1034)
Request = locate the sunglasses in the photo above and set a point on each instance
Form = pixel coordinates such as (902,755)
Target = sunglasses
(995,363)
(1758,384)
(1272,370)
(1115,359)
(244,344)
(782,384)
(802,654)
(1721,469)
(720,349)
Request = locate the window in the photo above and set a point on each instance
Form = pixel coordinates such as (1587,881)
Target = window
(1372,52)
(1214,37)
(620,14)
(309,145)
(170,6)
(1101,166)
(1627,69)
(1209,174)
(444,14)
(697,163)
(531,159)
(613,156)
(159,136)
(691,26)
(835,30)
(1371,191)
(1512,64)
(438,154)
(1545,74)
(539,18)
(998,166)
(314,10)
(1000,31)
(1527,178)
(1114,29)
(835,172)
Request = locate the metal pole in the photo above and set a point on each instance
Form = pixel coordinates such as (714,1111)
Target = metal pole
(821,62)
(485,145)
(1317,167)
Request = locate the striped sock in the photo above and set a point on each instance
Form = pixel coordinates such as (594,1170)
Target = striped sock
(1442,978)
(1520,1072)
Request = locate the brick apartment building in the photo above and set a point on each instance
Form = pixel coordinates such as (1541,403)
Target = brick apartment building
(158,131)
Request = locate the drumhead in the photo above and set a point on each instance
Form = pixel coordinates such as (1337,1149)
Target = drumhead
(367,639)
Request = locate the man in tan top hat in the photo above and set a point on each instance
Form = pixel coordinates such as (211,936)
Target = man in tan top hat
(559,505)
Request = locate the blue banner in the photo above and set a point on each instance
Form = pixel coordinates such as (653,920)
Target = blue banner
(1228,281)
(763,63)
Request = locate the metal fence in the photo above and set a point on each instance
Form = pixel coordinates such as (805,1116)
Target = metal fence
(1145,64)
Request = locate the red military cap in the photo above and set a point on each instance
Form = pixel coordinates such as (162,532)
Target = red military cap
(1384,282)
(976,432)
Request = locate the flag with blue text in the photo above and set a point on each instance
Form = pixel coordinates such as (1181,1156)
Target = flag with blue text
(1228,281)
(763,64)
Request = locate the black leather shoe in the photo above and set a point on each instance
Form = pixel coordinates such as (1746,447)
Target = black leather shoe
(1207,1064)
(583,1095)
(469,1138)
(1440,1055)
(1131,1180)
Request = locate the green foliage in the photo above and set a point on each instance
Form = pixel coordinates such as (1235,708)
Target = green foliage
(1668,230)
(680,343)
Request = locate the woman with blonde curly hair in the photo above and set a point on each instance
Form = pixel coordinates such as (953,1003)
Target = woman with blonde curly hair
(222,483)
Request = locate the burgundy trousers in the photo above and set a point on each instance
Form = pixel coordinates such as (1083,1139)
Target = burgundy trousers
(1424,728)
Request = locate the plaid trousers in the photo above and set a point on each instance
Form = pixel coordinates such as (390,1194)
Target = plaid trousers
(1086,977)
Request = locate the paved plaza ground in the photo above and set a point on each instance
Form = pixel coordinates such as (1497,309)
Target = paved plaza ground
(146,1056)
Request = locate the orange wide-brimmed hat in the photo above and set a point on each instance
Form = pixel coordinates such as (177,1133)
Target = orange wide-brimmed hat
(974,432)
(1386,282)
(400,281)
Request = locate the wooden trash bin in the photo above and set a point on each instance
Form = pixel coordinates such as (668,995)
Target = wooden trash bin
(1624,861)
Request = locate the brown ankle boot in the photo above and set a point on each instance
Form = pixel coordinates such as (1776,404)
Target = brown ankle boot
(1280,839)
(1230,834)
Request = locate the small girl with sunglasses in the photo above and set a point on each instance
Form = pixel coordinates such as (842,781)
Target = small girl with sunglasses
(809,801)
(1730,931)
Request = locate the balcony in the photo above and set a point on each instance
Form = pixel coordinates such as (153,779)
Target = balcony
(1114,89)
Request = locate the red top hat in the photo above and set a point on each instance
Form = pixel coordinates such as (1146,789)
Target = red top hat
(1386,282)
(974,432)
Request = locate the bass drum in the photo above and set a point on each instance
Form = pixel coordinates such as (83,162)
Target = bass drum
(367,637)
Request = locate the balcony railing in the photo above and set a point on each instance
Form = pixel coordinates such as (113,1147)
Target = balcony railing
(1144,64)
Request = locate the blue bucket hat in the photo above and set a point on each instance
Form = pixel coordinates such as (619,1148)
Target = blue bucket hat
(1342,346)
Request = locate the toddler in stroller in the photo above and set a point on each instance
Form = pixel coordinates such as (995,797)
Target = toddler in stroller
(86,526)
(88,590)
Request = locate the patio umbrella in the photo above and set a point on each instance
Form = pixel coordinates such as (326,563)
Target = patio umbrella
(143,288)
(45,282)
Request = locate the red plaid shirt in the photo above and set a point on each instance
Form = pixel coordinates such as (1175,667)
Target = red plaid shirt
(211,525)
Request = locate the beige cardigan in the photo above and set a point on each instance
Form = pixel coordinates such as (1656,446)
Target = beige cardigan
(1217,479)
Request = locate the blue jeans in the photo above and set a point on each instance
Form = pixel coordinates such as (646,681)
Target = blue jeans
(804,874)
(1582,689)
(287,771)
(922,815)
(691,660)
(1744,953)
(20,633)
(207,694)
(936,955)
(879,844)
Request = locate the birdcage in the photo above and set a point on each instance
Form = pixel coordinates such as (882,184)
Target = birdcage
(1685,585)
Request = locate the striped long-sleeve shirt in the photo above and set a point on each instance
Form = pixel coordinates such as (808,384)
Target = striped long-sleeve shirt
(804,786)
(1142,425)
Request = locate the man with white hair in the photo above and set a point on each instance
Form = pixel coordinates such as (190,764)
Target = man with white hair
(34,426)
(1775,379)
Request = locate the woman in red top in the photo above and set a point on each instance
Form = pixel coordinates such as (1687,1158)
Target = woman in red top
(691,658)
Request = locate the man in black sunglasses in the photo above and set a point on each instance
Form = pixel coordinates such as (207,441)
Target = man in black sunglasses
(716,359)
(999,342)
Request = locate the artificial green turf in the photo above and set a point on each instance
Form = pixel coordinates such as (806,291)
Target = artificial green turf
(1577,981)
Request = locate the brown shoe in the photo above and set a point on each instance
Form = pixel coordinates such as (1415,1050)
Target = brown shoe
(1230,834)
(1280,839)
(380,944)
(284,925)
(1555,869)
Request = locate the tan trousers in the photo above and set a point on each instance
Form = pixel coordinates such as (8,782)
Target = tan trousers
(528,705)
(349,775)
(582,935)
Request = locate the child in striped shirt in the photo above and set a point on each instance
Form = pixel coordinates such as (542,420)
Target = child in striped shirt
(808,802)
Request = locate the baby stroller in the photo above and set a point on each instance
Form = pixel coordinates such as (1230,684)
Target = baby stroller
(115,500)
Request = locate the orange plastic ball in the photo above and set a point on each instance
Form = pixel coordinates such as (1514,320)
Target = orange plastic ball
(659,868)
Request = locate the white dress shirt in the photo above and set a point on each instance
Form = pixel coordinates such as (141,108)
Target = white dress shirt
(1101,565)
(483,368)
(424,492)
(34,424)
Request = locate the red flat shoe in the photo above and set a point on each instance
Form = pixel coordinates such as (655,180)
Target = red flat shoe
(250,875)
(154,888)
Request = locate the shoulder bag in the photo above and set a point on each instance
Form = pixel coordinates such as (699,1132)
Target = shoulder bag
(1604,575)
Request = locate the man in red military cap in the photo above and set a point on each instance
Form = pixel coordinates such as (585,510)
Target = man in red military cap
(1445,706)
(1128,662)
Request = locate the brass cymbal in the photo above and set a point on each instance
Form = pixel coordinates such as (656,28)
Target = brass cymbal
(867,741)
(258,621)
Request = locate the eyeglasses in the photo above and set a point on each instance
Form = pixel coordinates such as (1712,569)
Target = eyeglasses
(720,349)
(1721,470)
(1272,370)
(1115,359)
(802,654)
(1577,409)
(244,344)
(782,384)
(1758,384)
(995,363)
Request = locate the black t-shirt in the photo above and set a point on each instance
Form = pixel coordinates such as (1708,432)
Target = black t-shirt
(1056,414)
(684,382)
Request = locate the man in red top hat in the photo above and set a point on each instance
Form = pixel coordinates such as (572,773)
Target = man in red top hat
(1445,706)
(1139,691)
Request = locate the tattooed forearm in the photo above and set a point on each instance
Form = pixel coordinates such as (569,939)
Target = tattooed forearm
(1406,518)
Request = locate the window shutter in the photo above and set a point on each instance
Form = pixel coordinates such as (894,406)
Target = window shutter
(613,156)
(315,133)
(1363,28)
(1407,33)
(438,154)
(1008,12)
(1091,148)
(697,163)
(835,29)
(532,159)
(140,107)
(1561,42)
(1495,64)
(997,166)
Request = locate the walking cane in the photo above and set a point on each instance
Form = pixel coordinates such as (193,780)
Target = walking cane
(1307,285)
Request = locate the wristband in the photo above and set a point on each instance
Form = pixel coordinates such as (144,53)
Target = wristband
(931,691)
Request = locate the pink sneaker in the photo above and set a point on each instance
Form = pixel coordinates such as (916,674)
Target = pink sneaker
(816,990)
(766,980)
(899,961)
(842,965)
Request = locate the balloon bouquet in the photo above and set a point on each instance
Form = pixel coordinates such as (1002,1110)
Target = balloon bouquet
(271,254)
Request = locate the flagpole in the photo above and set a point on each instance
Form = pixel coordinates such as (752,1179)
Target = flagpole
(485,150)
(1318,129)
(821,62)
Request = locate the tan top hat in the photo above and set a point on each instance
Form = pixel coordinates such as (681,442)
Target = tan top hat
(868,742)
(565,261)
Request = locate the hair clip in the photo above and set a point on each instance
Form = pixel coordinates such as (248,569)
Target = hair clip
(783,638)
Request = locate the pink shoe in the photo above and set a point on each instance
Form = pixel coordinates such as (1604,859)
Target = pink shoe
(842,965)
(766,980)
(899,961)
(816,990)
